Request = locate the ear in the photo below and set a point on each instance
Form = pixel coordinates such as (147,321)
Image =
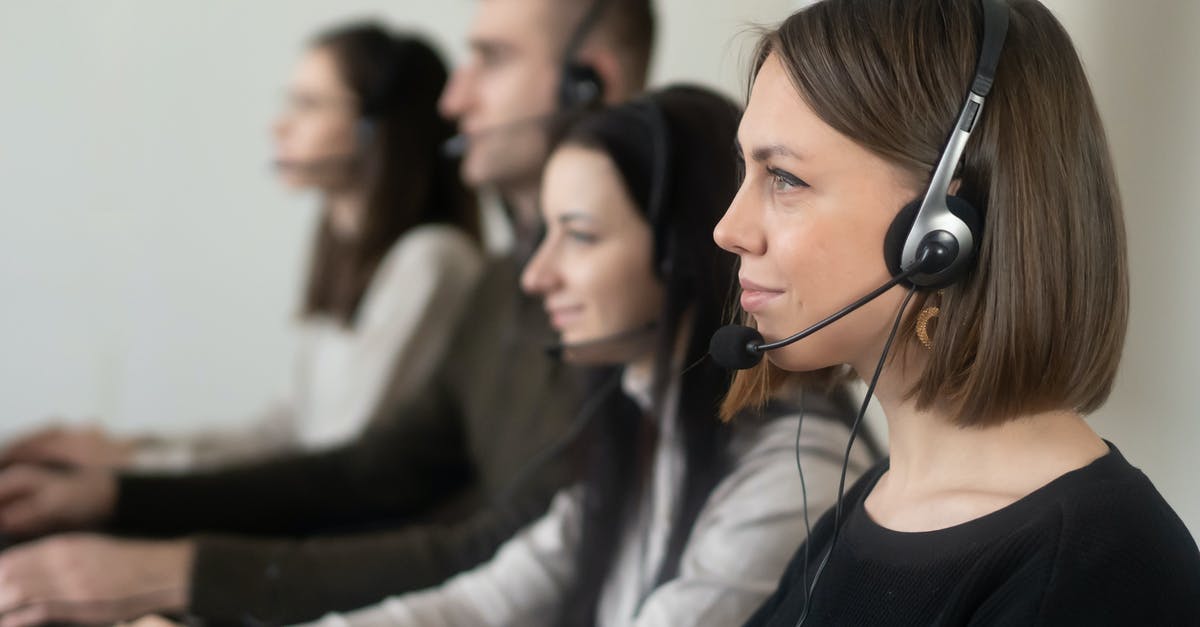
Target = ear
(608,66)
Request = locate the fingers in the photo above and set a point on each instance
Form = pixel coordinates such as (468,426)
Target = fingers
(18,482)
(23,518)
(36,500)
(83,579)
(32,447)
(28,615)
(150,621)
(20,572)
(70,612)
(20,510)
(44,611)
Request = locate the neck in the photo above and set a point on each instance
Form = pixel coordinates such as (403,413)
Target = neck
(932,455)
(642,368)
(523,200)
(522,203)
(347,212)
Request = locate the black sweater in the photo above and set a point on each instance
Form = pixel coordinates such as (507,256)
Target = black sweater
(1097,546)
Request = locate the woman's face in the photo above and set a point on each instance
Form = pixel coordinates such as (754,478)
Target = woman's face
(594,269)
(314,135)
(808,225)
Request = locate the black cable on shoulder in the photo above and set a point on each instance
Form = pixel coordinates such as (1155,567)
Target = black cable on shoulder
(837,511)
(803,496)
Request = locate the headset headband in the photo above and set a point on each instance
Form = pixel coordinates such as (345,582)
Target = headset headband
(934,215)
(580,84)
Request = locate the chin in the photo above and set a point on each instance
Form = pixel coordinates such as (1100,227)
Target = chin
(798,358)
(471,172)
(294,183)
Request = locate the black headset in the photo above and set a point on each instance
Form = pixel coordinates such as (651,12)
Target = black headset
(939,223)
(380,96)
(581,86)
(657,208)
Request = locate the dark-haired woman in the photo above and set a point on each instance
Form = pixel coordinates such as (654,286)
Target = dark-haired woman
(680,520)
(395,256)
(999,505)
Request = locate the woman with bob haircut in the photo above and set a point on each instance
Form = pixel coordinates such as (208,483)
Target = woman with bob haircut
(678,519)
(999,505)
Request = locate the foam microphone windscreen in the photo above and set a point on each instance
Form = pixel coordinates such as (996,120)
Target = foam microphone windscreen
(730,347)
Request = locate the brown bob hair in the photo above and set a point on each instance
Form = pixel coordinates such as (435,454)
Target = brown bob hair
(1038,324)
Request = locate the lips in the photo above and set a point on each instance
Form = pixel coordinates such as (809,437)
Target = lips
(561,317)
(755,297)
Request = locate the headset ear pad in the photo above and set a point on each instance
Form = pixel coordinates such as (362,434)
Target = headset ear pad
(581,86)
(893,243)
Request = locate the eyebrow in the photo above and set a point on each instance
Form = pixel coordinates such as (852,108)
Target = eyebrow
(575,216)
(763,153)
(487,47)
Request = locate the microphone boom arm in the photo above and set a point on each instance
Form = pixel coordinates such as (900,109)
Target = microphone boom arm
(841,313)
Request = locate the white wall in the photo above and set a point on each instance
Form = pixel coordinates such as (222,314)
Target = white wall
(149,264)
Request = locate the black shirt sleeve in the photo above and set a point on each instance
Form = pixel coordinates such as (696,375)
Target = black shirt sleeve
(1125,558)
(400,468)
(244,580)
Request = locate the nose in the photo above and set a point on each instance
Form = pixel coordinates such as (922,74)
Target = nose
(740,230)
(456,95)
(540,276)
(279,127)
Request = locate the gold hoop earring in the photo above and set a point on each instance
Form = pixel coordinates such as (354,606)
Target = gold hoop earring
(923,317)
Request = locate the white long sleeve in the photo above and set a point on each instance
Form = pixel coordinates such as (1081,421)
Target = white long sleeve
(740,544)
(404,323)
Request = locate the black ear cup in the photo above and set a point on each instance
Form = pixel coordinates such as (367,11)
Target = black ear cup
(581,86)
(893,242)
(964,254)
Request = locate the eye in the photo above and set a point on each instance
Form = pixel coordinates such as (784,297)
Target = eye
(301,103)
(784,181)
(492,58)
(583,237)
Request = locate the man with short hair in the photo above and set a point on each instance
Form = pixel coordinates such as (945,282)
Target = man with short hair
(459,454)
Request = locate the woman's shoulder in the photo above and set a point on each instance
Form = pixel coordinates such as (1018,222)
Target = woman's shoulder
(1112,507)
(1123,553)
(428,251)
(433,241)
(430,260)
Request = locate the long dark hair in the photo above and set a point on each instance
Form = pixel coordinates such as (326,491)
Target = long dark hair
(699,127)
(397,79)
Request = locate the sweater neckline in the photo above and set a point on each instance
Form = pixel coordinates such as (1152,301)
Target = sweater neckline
(922,546)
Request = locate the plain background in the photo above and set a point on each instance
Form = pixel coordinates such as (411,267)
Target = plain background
(150,265)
